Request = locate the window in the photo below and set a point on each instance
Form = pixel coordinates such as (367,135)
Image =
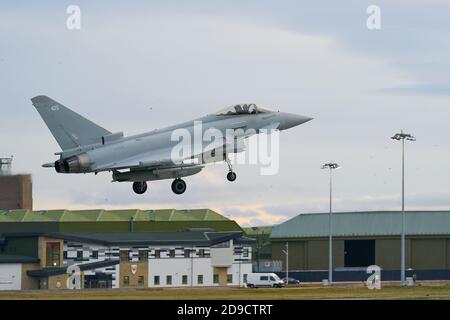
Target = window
(245,253)
(95,254)
(184,279)
(143,255)
(126,281)
(141,280)
(169,280)
(200,279)
(157,253)
(216,278)
(53,254)
(245,278)
(201,253)
(229,278)
(79,255)
(187,253)
(264,278)
(125,255)
(156,280)
(172,254)
(272,279)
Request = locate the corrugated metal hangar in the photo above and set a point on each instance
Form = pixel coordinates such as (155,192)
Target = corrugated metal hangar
(361,239)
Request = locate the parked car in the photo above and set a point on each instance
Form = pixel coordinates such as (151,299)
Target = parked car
(290,281)
(259,280)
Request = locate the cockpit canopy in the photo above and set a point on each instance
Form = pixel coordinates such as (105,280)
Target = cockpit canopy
(249,108)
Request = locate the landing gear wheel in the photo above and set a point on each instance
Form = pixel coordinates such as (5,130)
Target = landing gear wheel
(231,176)
(178,186)
(140,187)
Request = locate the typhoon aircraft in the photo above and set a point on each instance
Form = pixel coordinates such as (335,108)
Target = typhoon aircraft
(89,148)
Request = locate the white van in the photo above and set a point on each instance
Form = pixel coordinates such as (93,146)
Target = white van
(258,280)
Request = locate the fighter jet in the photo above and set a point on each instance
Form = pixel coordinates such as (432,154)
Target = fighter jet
(88,148)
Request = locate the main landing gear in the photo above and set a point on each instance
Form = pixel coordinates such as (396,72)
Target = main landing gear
(140,187)
(231,175)
(178,186)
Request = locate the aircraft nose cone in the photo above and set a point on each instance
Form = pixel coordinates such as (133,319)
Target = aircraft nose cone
(290,120)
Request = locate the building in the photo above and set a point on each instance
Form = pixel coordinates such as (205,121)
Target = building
(16,192)
(361,239)
(121,249)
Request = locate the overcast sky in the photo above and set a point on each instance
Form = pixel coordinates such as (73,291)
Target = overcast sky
(137,67)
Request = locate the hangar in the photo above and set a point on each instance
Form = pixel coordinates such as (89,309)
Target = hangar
(361,239)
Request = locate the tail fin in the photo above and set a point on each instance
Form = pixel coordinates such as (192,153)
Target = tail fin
(70,129)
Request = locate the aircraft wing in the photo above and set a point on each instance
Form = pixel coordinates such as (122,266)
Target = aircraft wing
(155,158)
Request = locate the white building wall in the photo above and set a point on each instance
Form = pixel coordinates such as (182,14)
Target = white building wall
(202,266)
(239,270)
(10,276)
(175,267)
(192,267)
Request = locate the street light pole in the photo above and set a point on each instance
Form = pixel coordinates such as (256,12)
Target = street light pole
(403,136)
(331,166)
(286,252)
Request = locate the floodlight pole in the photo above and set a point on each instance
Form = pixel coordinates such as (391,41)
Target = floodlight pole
(402,136)
(402,258)
(330,232)
(331,166)
(286,252)
(287,262)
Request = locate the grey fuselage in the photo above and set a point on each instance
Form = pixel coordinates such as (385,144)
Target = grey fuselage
(109,155)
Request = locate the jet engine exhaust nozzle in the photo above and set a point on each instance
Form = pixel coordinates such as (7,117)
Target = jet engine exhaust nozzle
(74,164)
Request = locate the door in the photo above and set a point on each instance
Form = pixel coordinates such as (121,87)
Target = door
(359,253)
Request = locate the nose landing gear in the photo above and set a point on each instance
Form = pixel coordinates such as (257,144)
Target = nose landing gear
(231,175)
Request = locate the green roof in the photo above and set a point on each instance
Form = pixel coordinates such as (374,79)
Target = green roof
(109,215)
(372,223)
(99,220)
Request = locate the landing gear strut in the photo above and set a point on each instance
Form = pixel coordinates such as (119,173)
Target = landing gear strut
(231,176)
(140,187)
(178,186)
